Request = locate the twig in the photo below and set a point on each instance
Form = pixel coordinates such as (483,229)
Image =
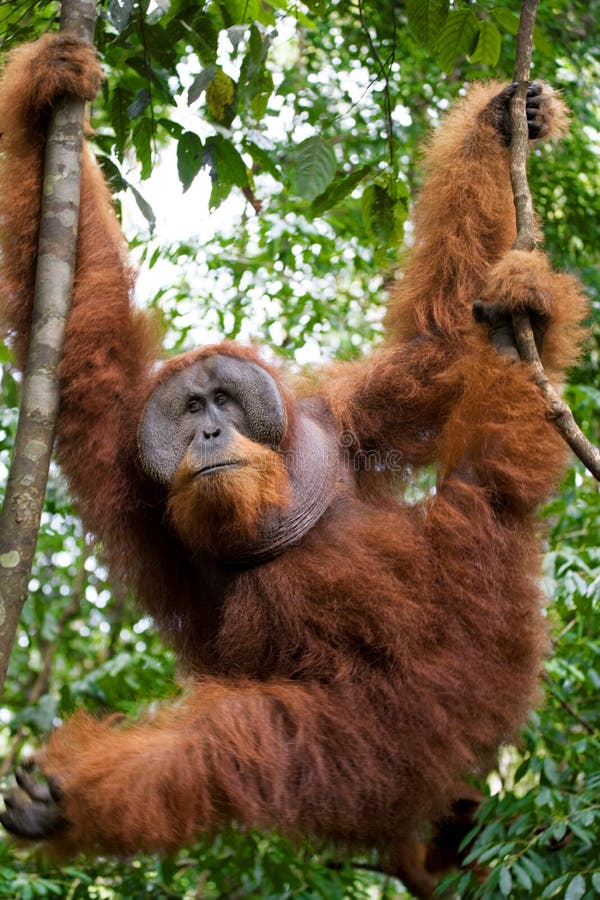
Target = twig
(25,490)
(385,74)
(336,866)
(568,707)
(559,411)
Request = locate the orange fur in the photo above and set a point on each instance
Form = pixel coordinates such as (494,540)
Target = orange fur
(207,512)
(524,280)
(464,218)
(346,687)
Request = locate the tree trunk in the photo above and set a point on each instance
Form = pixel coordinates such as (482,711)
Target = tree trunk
(26,487)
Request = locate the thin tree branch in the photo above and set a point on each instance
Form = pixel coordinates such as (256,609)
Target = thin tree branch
(385,74)
(559,411)
(25,490)
(519,130)
(587,726)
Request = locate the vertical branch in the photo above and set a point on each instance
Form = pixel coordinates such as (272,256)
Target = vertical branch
(385,74)
(25,490)
(520,132)
(558,410)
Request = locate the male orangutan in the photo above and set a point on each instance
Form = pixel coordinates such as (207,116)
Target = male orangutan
(354,657)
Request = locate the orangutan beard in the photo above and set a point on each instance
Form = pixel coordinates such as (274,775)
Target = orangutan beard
(223,508)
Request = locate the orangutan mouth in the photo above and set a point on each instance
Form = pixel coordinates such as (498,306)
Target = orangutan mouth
(214,468)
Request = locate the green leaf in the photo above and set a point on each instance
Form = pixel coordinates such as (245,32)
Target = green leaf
(112,174)
(522,769)
(263,159)
(522,876)
(205,37)
(142,141)
(596,882)
(220,94)
(384,211)
(489,44)
(141,102)
(250,11)
(541,44)
(507,19)
(534,870)
(311,167)
(544,798)
(318,7)
(338,189)
(261,99)
(557,831)
(255,84)
(426,19)
(584,835)
(576,888)
(40,716)
(119,104)
(172,128)
(189,158)
(253,64)
(550,770)
(458,37)
(144,207)
(119,13)
(555,885)
(200,83)
(505,881)
(226,166)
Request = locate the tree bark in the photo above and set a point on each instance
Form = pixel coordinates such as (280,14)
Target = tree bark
(559,411)
(26,487)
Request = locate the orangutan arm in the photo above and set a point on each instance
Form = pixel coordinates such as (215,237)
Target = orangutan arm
(108,349)
(464,224)
(282,754)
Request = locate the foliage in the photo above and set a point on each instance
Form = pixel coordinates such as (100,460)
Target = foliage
(304,120)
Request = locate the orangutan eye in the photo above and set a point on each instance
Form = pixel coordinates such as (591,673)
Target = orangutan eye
(220,398)
(195,404)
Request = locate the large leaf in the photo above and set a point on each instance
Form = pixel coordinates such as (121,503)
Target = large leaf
(141,102)
(311,167)
(142,137)
(205,37)
(489,44)
(201,82)
(338,190)
(384,211)
(144,207)
(458,37)
(120,101)
(220,93)
(226,166)
(508,19)
(426,19)
(255,83)
(119,13)
(189,158)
